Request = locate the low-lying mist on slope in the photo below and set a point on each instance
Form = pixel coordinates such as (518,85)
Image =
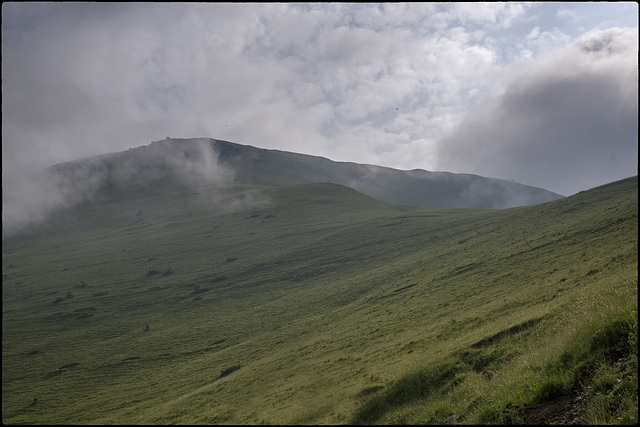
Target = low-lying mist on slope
(160,166)
(444,189)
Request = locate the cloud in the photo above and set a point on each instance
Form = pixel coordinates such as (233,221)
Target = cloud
(83,80)
(501,14)
(370,83)
(566,122)
(192,164)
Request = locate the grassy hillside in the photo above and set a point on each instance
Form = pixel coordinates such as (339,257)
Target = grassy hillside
(315,304)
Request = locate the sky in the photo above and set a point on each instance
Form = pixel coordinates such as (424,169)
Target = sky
(541,93)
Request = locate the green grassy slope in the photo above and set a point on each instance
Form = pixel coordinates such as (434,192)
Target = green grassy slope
(309,304)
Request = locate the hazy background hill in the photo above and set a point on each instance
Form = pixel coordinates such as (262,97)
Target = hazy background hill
(174,163)
(181,164)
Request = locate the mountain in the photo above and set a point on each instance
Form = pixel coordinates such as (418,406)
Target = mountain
(172,297)
(174,163)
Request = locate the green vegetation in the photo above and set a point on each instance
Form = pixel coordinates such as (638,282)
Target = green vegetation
(315,304)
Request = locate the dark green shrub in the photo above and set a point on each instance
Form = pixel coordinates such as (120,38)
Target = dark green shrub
(490,415)
(551,388)
(618,337)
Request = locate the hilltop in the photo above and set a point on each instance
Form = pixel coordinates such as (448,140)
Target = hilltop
(170,163)
(175,165)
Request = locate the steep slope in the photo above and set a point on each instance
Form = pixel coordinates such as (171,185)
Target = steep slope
(176,163)
(296,303)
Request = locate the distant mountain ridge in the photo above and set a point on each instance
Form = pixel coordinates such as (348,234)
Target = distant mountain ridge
(174,163)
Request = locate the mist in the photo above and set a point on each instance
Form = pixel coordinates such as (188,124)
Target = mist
(191,164)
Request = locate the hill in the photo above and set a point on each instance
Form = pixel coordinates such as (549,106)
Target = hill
(312,303)
(172,163)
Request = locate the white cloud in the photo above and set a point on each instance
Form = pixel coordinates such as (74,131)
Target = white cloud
(546,41)
(569,14)
(502,14)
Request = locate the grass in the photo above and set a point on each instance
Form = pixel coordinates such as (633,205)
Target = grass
(338,308)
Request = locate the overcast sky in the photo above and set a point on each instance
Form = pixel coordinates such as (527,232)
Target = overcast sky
(545,94)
